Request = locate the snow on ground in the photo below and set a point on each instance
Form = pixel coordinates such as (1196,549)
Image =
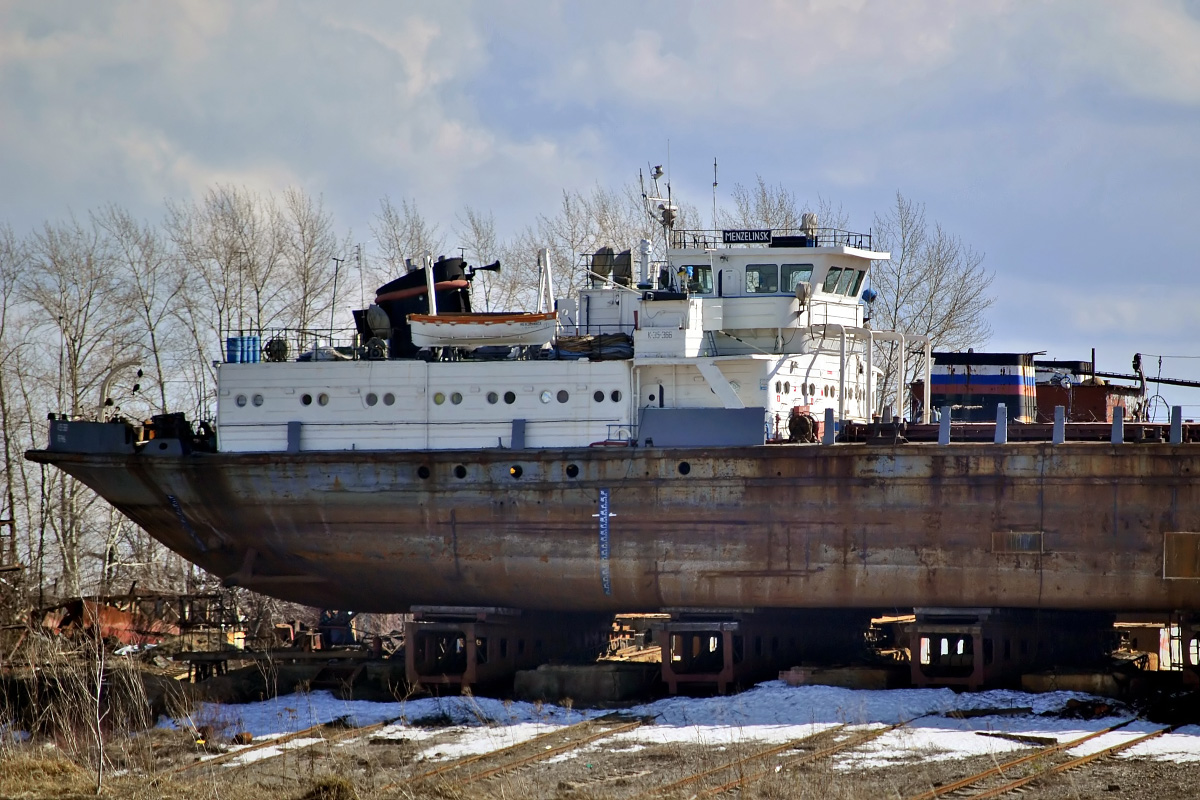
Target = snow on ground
(772,712)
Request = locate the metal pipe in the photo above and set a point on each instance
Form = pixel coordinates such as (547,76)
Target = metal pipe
(544,255)
(429,285)
(870,374)
(928,388)
(107,383)
(645,248)
(842,378)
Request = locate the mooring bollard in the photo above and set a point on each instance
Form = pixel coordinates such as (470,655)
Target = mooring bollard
(944,426)
(1060,424)
(828,434)
(1118,428)
(1001,423)
(1176,424)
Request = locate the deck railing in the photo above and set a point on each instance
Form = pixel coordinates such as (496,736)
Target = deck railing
(780,237)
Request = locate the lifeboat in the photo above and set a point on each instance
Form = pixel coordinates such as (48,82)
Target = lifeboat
(480,330)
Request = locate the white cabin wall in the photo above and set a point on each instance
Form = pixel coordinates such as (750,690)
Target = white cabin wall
(415,420)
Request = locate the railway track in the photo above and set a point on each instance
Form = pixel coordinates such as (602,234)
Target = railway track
(1005,786)
(321,730)
(481,766)
(744,779)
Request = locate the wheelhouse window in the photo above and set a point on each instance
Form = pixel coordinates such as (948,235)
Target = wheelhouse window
(699,278)
(831,280)
(762,278)
(845,281)
(796,274)
(857,283)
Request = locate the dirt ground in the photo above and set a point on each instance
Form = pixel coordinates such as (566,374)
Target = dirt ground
(149,766)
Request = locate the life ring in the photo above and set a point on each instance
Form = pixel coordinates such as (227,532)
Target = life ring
(402,294)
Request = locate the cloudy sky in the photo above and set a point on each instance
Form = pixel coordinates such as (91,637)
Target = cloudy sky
(1060,139)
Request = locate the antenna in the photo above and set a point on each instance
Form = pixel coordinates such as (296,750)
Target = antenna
(362,292)
(337,265)
(714,220)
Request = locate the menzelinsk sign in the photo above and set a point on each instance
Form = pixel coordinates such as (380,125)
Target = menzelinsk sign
(747,236)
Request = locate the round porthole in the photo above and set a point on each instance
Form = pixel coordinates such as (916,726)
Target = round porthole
(787,387)
(456,398)
(439,398)
(306,399)
(516,471)
(510,397)
(389,399)
(684,468)
(812,389)
(492,397)
(563,396)
(598,396)
(778,387)
(372,398)
(616,395)
(423,472)
(323,399)
(460,471)
(240,400)
(572,471)
(545,396)
(257,400)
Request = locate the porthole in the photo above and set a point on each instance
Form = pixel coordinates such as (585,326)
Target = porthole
(652,398)
(372,398)
(812,389)
(684,468)
(460,471)
(598,396)
(545,396)
(423,472)
(616,395)
(516,471)
(510,397)
(492,397)
(778,387)
(572,471)
(257,400)
(563,396)
(787,387)
(439,398)
(389,399)
(240,400)
(456,398)
(323,399)
(306,399)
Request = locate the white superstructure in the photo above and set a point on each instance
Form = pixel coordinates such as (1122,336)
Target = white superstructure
(729,343)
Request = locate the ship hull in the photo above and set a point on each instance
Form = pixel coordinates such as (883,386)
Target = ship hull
(1075,526)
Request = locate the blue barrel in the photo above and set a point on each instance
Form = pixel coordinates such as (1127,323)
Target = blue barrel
(252,350)
(233,350)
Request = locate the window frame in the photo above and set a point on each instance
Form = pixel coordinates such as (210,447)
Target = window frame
(773,286)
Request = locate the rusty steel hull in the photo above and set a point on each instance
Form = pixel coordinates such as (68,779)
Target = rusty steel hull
(1074,526)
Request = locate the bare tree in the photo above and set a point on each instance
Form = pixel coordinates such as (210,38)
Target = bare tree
(151,285)
(480,244)
(72,282)
(934,285)
(403,233)
(13,261)
(765,206)
(309,247)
